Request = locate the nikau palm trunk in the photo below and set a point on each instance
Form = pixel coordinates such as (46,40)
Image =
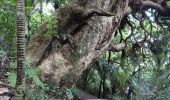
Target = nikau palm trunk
(20,41)
(20,49)
(20,23)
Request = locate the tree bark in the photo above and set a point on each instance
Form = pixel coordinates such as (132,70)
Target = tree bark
(20,23)
(86,30)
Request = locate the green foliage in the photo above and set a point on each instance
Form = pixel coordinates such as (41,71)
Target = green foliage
(74,91)
(36,94)
(32,73)
(122,77)
(69,94)
(7,23)
(2,53)
(13,65)
(11,78)
(52,27)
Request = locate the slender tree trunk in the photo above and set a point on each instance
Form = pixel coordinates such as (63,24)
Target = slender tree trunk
(20,48)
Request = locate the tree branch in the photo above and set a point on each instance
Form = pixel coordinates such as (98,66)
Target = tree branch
(154,5)
(116,48)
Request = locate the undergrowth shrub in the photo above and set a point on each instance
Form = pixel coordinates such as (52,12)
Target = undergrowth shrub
(35,88)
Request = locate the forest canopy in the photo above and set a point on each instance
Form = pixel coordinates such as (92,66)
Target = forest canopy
(85,49)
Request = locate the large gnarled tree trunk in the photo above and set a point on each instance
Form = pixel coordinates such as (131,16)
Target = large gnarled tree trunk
(86,29)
